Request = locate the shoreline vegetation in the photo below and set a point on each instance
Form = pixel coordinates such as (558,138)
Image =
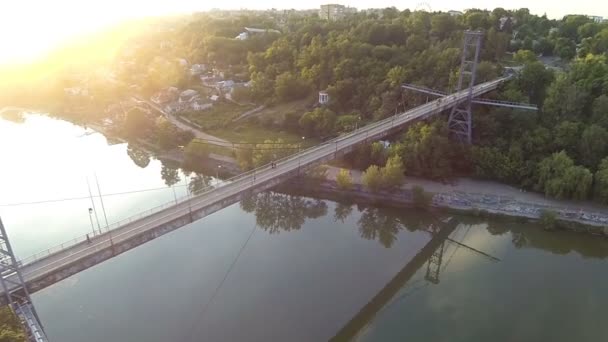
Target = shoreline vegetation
(554,215)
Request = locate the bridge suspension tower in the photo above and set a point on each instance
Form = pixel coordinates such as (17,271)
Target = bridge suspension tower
(15,291)
(460,121)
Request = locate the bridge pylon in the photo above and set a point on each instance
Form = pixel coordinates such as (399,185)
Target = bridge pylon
(460,122)
(15,290)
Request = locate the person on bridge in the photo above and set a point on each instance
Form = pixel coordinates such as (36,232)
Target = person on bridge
(88,239)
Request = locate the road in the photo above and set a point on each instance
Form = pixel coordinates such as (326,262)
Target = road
(39,266)
(211,139)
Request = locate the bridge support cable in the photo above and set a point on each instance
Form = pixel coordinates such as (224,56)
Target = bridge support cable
(15,290)
(460,123)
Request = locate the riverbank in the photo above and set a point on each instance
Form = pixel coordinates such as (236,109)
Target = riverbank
(475,204)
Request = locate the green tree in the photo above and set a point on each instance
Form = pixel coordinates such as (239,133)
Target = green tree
(137,123)
(420,198)
(244,157)
(524,57)
(170,175)
(393,172)
(593,145)
(601,182)
(318,123)
(289,88)
(600,111)
(548,219)
(533,81)
(372,178)
(195,154)
(11,329)
(140,157)
(344,180)
(567,136)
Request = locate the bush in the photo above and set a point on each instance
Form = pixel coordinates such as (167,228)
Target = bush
(548,219)
(344,180)
(372,178)
(420,197)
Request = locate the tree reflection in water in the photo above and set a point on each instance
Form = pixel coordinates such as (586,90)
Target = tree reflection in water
(140,157)
(277,212)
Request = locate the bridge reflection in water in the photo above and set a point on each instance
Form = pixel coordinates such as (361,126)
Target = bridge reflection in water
(430,256)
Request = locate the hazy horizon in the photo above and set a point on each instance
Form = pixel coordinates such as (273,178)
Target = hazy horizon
(26,34)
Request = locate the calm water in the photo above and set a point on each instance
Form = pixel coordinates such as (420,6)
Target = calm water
(284,268)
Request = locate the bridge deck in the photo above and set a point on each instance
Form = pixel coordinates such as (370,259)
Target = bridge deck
(228,193)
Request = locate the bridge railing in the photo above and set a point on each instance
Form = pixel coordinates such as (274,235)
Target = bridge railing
(204,191)
(118,224)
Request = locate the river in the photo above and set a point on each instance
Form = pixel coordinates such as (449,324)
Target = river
(279,267)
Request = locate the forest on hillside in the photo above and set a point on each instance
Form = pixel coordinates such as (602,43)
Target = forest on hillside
(362,60)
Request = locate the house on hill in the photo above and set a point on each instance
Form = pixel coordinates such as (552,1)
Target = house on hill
(250,32)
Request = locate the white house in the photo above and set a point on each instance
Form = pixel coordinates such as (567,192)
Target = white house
(596,18)
(199,105)
(188,95)
(323,97)
(455,13)
(226,85)
(249,32)
(197,69)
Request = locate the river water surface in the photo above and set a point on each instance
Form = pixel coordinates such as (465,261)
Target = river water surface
(279,267)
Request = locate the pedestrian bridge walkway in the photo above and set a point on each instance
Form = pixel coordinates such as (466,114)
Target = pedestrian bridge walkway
(55,264)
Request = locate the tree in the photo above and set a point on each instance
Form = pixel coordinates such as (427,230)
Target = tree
(533,81)
(170,175)
(420,198)
(601,182)
(194,155)
(139,157)
(524,57)
(344,180)
(289,88)
(548,219)
(593,145)
(166,134)
(372,178)
(244,157)
(11,329)
(318,123)
(565,48)
(565,101)
(600,111)
(393,172)
(558,177)
(426,150)
(136,123)
(567,136)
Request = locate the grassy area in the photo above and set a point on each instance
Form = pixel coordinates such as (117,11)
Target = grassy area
(248,132)
(276,112)
(218,116)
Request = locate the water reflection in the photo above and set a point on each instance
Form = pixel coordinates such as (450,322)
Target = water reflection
(276,212)
(139,157)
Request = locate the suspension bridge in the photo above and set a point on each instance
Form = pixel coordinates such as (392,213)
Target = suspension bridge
(21,277)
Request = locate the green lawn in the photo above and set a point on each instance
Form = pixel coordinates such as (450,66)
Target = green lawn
(248,132)
(218,116)
(277,112)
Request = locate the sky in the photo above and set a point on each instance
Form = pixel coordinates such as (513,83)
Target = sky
(30,27)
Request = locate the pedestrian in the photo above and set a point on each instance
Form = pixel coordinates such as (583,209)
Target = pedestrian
(88,239)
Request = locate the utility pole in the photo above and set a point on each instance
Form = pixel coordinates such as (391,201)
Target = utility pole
(103,208)
(93,205)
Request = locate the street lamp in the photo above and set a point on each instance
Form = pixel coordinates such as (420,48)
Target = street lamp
(217,173)
(299,155)
(91,219)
